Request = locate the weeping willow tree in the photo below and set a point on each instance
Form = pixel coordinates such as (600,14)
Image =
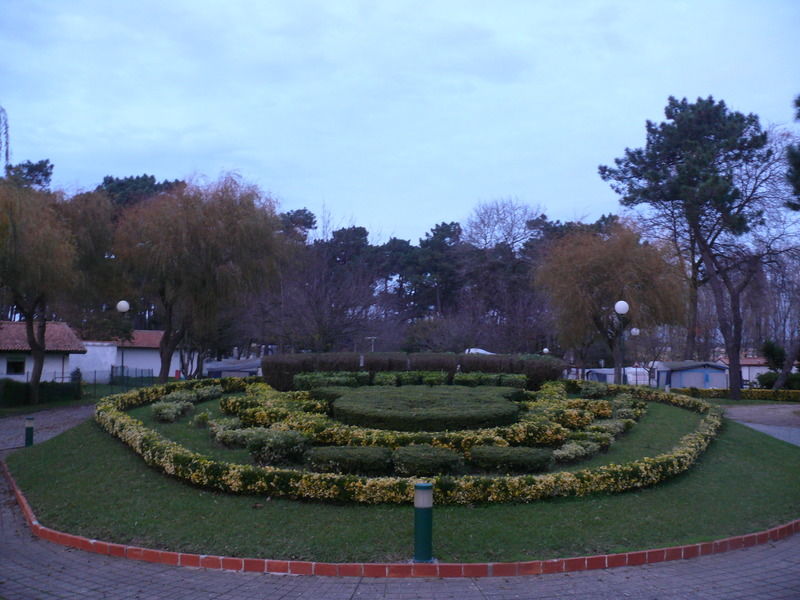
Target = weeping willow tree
(195,251)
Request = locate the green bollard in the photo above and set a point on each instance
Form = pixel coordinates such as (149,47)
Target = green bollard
(28,431)
(423,522)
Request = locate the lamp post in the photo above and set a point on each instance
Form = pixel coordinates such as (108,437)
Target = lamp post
(635,332)
(123,306)
(423,522)
(621,308)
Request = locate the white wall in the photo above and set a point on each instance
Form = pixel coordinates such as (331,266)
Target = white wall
(56,367)
(146,358)
(95,365)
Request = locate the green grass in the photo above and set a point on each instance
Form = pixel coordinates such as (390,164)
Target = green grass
(86,482)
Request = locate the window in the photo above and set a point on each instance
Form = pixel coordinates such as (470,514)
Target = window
(15,365)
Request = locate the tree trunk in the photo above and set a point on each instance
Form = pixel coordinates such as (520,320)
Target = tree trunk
(791,357)
(35,331)
(729,318)
(690,349)
(169,341)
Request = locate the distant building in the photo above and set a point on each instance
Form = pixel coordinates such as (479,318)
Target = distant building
(689,373)
(62,346)
(137,357)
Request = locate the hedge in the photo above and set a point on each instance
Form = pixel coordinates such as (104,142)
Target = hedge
(18,393)
(204,471)
(782,395)
(280,369)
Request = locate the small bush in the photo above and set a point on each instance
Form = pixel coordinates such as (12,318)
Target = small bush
(201,419)
(310,381)
(385,379)
(432,378)
(362,460)
(575,450)
(593,389)
(181,396)
(424,460)
(271,447)
(515,459)
(211,392)
(514,380)
(168,412)
(409,378)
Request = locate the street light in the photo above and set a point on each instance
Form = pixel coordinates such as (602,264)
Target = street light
(635,332)
(545,350)
(123,306)
(621,308)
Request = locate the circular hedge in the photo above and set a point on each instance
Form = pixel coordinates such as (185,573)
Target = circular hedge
(421,408)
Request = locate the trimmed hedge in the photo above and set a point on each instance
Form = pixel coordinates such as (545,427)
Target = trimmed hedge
(269,447)
(18,393)
(424,460)
(280,369)
(511,460)
(751,394)
(175,460)
(361,460)
(392,409)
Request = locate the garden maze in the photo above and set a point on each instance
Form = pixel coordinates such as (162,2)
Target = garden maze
(368,438)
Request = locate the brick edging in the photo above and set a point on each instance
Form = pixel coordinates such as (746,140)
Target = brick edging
(297,567)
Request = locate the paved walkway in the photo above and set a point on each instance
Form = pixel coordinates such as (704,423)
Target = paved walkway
(32,569)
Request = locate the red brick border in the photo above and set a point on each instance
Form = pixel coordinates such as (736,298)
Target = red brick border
(297,567)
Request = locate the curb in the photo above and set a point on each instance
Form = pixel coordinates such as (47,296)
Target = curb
(296,567)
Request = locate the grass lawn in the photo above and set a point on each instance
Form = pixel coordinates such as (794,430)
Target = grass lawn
(88,483)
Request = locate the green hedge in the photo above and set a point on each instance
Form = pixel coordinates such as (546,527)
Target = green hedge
(207,472)
(751,394)
(511,460)
(394,410)
(280,369)
(360,460)
(18,393)
(424,460)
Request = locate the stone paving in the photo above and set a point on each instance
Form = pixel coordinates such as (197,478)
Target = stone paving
(32,569)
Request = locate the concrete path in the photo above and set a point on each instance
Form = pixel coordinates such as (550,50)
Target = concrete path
(781,421)
(32,569)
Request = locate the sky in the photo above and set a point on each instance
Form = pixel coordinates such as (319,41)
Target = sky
(390,115)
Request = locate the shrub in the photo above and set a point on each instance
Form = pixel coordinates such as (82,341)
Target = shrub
(409,409)
(181,396)
(363,460)
(14,393)
(201,419)
(211,392)
(309,381)
(376,362)
(423,460)
(593,389)
(271,447)
(432,378)
(514,380)
(168,412)
(575,450)
(385,379)
(479,378)
(511,459)
(409,378)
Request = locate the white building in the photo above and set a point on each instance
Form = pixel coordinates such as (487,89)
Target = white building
(137,357)
(62,346)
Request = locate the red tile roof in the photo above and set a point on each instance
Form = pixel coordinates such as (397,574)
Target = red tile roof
(58,337)
(143,338)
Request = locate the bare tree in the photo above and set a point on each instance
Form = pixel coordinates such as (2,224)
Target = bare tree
(503,221)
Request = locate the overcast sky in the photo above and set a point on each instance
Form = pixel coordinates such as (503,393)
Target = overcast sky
(387,114)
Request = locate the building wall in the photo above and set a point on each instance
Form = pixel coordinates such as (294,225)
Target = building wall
(56,366)
(146,358)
